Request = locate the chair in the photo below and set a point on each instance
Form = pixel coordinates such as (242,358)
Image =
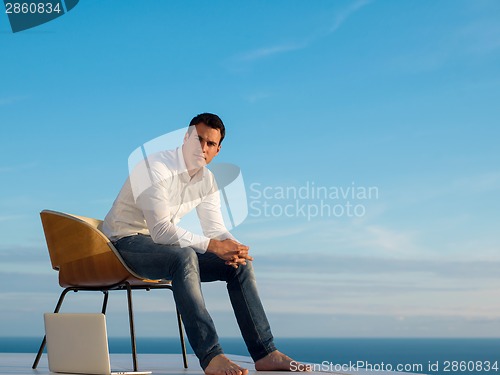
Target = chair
(87,261)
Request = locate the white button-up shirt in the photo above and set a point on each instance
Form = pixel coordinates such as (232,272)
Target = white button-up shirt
(157,194)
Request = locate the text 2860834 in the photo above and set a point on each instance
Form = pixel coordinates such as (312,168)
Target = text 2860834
(32,8)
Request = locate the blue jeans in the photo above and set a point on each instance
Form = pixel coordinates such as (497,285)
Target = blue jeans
(187,269)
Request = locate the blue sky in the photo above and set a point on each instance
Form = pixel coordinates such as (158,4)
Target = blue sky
(397,95)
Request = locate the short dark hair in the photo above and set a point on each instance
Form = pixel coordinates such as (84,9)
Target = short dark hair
(211,120)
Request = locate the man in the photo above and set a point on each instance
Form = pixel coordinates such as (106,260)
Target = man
(143,227)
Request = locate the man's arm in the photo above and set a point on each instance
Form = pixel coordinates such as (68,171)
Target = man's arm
(222,242)
(157,208)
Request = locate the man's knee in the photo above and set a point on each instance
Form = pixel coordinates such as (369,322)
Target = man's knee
(244,269)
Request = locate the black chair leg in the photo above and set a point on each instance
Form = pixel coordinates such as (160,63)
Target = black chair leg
(44,341)
(181,335)
(132,329)
(105,301)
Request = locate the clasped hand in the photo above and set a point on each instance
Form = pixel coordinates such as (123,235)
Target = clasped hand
(234,253)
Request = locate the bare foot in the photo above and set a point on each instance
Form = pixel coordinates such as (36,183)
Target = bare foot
(221,365)
(277,361)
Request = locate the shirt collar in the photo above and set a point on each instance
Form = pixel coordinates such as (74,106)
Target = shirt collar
(184,175)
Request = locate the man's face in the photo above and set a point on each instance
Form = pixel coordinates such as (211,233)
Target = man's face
(201,146)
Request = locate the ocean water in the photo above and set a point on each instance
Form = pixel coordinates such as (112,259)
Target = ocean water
(429,356)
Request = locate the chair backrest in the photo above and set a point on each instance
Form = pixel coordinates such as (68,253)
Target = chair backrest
(82,254)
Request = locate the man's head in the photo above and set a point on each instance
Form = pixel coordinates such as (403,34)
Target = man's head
(203,140)
(212,121)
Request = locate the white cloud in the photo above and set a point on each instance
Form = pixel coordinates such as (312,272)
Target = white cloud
(5,101)
(363,238)
(18,167)
(339,19)
(477,39)
(378,286)
(26,267)
(344,14)
(385,240)
(12,217)
(269,51)
(276,233)
(480,183)
(257,96)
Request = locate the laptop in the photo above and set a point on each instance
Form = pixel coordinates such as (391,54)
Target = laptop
(78,344)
